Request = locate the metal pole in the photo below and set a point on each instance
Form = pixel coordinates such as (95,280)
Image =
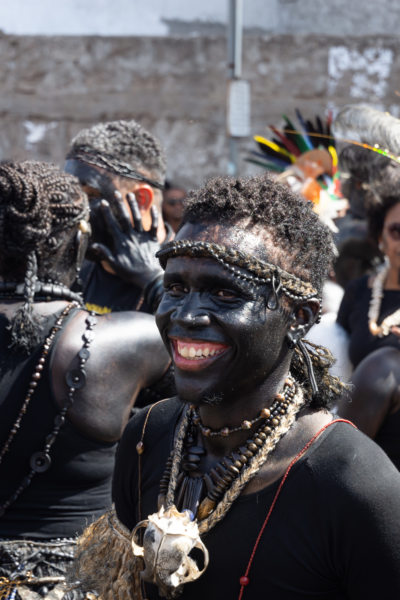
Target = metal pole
(235,26)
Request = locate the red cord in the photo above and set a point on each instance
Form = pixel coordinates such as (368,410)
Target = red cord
(244,580)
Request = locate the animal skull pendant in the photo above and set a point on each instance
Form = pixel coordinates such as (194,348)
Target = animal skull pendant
(169,537)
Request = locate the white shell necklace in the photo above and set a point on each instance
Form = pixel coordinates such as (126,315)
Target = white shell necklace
(377,293)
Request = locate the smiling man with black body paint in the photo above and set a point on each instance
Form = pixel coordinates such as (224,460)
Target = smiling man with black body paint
(288,503)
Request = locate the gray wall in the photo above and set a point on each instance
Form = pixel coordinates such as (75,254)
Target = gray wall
(176,86)
(168,17)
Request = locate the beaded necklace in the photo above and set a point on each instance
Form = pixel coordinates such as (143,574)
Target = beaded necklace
(40,461)
(377,293)
(270,415)
(184,485)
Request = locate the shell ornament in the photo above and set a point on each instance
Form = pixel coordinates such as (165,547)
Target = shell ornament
(168,539)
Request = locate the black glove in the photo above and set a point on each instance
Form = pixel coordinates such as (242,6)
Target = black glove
(132,255)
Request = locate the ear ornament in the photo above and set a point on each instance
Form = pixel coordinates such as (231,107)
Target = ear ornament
(273,299)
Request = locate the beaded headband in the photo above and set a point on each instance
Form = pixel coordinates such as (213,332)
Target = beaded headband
(258,271)
(110,163)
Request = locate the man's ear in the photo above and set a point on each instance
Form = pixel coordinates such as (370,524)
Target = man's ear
(144,195)
(304,315)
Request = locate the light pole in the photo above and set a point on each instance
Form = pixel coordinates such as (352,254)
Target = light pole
(238,91)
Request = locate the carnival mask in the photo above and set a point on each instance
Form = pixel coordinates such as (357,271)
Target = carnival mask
(168,539)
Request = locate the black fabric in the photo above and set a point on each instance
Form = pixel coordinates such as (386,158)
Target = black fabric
(353,316)
(104,292)
(333,534)
(77,487)
(388,437)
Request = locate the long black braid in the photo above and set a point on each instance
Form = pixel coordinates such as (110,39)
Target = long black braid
(40,207)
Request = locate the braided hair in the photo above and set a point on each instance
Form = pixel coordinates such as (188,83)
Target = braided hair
(40,207)
(118,146)
(299,243)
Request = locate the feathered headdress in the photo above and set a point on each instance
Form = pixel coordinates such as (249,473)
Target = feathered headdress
(294,146)
(292,141)
(304,155)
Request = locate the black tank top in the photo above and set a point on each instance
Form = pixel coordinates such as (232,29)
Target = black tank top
(76,489)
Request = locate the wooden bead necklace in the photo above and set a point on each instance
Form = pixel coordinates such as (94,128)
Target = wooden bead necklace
(209,495)
(271,415)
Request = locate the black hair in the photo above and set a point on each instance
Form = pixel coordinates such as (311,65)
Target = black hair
(356,258)
(40,208)
(384,194)
(121,144)
(303,244)
(362,163)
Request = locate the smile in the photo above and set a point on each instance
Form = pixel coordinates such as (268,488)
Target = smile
(193,355)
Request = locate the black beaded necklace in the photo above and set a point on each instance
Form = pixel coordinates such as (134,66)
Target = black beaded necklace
(40,461)
(43,290)
(199,492)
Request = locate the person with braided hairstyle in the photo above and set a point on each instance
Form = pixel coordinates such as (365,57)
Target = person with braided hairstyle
(68,380)
(244,485)
(121,166)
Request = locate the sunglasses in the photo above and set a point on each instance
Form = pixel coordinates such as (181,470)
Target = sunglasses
(174,201)
(394,231)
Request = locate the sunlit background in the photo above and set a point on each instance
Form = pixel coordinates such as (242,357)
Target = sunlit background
(71,63)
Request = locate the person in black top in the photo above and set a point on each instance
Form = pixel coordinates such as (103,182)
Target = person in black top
(68,379)
(115,161)
(243,486)
(370,312)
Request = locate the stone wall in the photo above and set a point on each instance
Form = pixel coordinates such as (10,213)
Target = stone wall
(53,86)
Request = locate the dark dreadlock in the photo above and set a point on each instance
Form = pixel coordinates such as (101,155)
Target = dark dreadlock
(299,243)
(40,207)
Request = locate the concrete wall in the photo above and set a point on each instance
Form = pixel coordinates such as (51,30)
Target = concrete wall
(183,17)
(176,86)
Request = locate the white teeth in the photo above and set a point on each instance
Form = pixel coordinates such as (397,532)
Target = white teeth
(192,353)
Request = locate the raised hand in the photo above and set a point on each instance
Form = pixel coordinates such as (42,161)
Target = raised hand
(132,255)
